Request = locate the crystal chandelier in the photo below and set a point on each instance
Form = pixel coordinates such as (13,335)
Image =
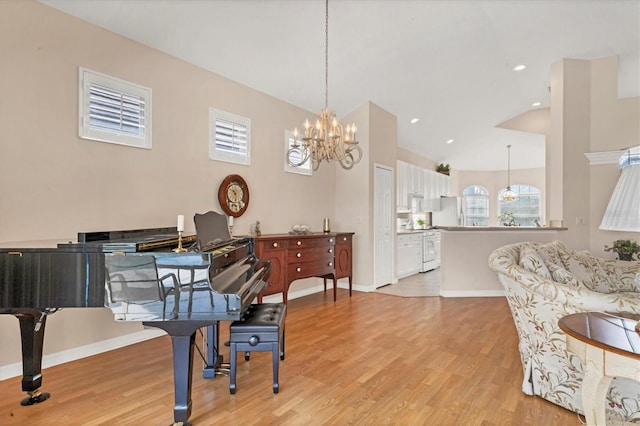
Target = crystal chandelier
(327,139)
(509,195)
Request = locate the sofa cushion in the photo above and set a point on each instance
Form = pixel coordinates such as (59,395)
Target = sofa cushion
(531,261)
(587,269)
(562,276)
(549,253)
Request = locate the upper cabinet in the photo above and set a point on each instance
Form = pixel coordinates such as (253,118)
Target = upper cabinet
(402,195)
(417,181)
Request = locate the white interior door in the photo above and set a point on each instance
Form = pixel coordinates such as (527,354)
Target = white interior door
(383,225)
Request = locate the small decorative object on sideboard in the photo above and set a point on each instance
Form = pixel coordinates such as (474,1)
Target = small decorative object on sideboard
(443,168)
(254,230)
(299,230)
(625,249)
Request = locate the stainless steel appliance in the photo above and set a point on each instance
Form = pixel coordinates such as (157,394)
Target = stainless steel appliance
(430,249)
(451,212)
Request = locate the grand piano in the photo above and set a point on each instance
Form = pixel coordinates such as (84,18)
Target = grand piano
(195,288)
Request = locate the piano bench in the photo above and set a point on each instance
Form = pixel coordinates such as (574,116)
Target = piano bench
(261,329)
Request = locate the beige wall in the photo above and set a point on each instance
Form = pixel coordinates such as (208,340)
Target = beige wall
(587,116)
(53,184)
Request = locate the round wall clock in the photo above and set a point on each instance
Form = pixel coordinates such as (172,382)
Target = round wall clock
(233,195)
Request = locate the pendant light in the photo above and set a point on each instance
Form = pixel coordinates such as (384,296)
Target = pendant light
(508,195)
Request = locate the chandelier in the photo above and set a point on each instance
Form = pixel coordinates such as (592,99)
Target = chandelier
(327,139)
(509,195)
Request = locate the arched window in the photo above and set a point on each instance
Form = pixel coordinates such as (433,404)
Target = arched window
(523,211)
(476,202)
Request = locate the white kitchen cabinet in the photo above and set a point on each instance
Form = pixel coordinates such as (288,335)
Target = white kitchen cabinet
(402,201)
(431,191)
(409,254)
(417,180)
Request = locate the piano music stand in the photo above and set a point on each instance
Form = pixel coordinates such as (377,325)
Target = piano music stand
(211,228)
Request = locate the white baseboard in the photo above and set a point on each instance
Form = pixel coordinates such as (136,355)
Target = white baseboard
(472,293)
(13,370)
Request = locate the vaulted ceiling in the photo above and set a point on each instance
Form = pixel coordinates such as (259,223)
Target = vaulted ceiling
(448,63)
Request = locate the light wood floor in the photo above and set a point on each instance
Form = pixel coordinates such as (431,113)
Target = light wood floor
(372,359)
(424,284)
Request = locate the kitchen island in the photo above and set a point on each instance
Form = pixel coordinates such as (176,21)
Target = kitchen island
(464,255)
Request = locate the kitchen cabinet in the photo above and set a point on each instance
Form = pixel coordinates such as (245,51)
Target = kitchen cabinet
(411,181)
(409,254)
(436,186)
(402,200)
(431,185)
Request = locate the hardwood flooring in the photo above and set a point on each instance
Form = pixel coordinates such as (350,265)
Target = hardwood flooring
(372,359)
(424,284)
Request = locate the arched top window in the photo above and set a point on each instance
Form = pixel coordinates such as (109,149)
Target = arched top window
(525,210)
(476,206)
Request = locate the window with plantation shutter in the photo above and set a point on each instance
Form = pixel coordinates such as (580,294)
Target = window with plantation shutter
(296,157)
(114,110)
(230,138)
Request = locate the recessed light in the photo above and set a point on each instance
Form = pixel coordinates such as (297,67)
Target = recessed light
(536,104)
(519,67)
(414,120)
(450,141)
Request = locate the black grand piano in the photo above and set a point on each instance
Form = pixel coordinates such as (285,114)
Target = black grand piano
(140,276)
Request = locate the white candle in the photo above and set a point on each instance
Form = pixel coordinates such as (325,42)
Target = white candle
(180,223)
(230,220)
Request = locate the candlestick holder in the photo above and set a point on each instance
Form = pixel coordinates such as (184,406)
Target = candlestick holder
(179,249)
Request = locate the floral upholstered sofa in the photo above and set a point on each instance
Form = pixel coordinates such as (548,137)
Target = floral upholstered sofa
(543,283)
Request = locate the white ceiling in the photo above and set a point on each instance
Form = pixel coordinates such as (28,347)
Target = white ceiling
(449,63)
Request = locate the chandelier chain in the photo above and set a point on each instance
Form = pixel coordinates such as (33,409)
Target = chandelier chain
(326,55)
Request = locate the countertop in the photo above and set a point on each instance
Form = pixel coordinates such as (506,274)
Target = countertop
(414,231)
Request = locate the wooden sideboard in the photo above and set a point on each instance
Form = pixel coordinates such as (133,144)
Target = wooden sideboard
(293,257)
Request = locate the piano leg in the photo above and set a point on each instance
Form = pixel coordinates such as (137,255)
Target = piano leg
(32,325)
(183,337)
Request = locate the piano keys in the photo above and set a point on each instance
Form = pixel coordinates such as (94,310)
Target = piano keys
(37,279)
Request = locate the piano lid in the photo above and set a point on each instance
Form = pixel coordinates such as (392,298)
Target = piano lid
(129,241)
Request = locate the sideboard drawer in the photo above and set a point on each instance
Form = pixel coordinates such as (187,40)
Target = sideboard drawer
(269,245)
(310,269)
(310,254)
(323,241)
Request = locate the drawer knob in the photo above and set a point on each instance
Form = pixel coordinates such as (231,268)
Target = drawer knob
(298,269)
(330,250)
(298,254)
(274,245)
(299,242)
(344,238)
(226,255)
(331,240)
(330,263)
